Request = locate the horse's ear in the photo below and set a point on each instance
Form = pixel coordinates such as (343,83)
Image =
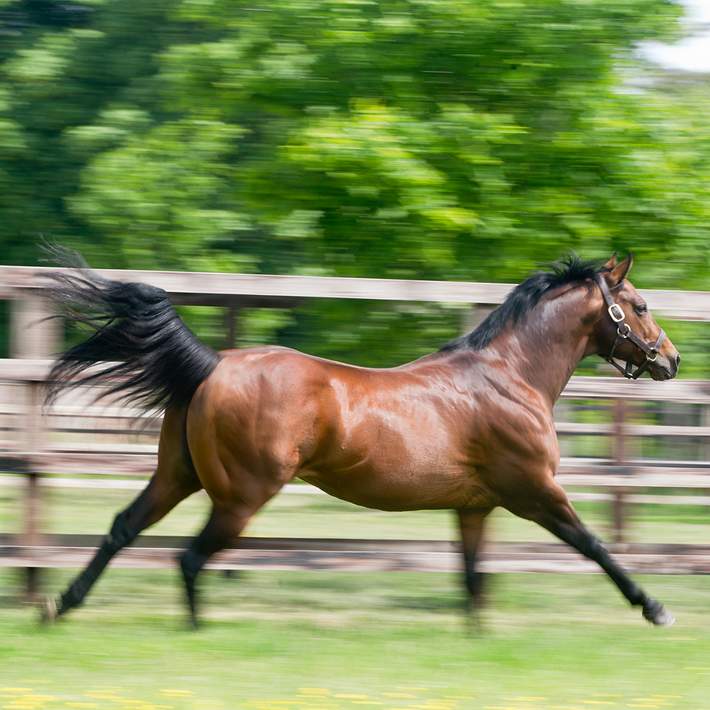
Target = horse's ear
(619,271)
(611,263)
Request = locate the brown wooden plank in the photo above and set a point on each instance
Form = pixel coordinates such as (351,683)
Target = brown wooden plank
(344,559)
(346,545)
(220,288)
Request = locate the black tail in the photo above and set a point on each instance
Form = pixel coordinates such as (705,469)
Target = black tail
(141,346)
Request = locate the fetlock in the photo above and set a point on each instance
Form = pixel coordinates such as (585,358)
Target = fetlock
(186,568)
(73,597)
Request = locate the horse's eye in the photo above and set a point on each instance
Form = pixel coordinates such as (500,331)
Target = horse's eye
(641,308)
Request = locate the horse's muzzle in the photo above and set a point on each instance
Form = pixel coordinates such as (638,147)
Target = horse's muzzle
(665,368)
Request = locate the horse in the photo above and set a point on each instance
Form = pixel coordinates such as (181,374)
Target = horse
(468,428)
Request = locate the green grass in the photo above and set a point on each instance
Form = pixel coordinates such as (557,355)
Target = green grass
(348,640)
(327,640)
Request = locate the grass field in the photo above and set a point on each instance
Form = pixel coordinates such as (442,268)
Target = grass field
(349,640)
(326,640)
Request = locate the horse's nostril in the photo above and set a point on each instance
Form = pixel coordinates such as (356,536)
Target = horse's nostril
(677,360)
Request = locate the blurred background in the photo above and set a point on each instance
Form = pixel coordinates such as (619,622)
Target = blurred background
(406,139)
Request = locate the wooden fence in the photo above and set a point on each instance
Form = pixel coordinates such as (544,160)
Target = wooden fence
(73,439)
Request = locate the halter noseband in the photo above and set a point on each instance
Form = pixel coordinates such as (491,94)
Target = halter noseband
(624,332)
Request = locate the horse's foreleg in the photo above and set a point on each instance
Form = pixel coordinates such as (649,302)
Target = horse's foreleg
(159,497)
(221,531)
(471,525)
(556,514)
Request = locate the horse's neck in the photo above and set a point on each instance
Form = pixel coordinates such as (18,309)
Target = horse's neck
(548,346)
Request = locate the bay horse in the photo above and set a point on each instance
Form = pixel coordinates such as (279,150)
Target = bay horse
(467,428)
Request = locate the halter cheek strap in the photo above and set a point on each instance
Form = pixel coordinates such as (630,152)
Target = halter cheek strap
(624,332)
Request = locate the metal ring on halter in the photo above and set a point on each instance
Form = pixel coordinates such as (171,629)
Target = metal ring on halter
(652,359)
(623,335)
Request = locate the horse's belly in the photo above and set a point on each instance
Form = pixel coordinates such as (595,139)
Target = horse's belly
(402,489)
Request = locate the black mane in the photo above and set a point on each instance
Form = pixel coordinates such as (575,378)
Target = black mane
(522,299)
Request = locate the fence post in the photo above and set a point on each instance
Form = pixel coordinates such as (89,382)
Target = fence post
(32,529)
(32,336)
(620,455)
(231,322)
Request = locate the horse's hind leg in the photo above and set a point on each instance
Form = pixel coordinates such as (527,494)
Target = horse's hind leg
(155,501)
(171,483)
(237,494)
(222,530)
(471,525)
(555,513)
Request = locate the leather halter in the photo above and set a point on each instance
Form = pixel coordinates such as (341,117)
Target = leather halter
(624,332)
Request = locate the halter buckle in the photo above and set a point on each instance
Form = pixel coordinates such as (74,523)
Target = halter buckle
(615,313)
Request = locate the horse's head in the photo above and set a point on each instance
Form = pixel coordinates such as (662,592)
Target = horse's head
(627,330)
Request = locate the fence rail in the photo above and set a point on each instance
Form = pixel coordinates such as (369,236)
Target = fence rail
(359,555)
(208,288)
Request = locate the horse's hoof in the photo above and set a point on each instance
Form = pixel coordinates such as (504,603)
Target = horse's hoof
(48,611)
(473,620)
(656,613)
